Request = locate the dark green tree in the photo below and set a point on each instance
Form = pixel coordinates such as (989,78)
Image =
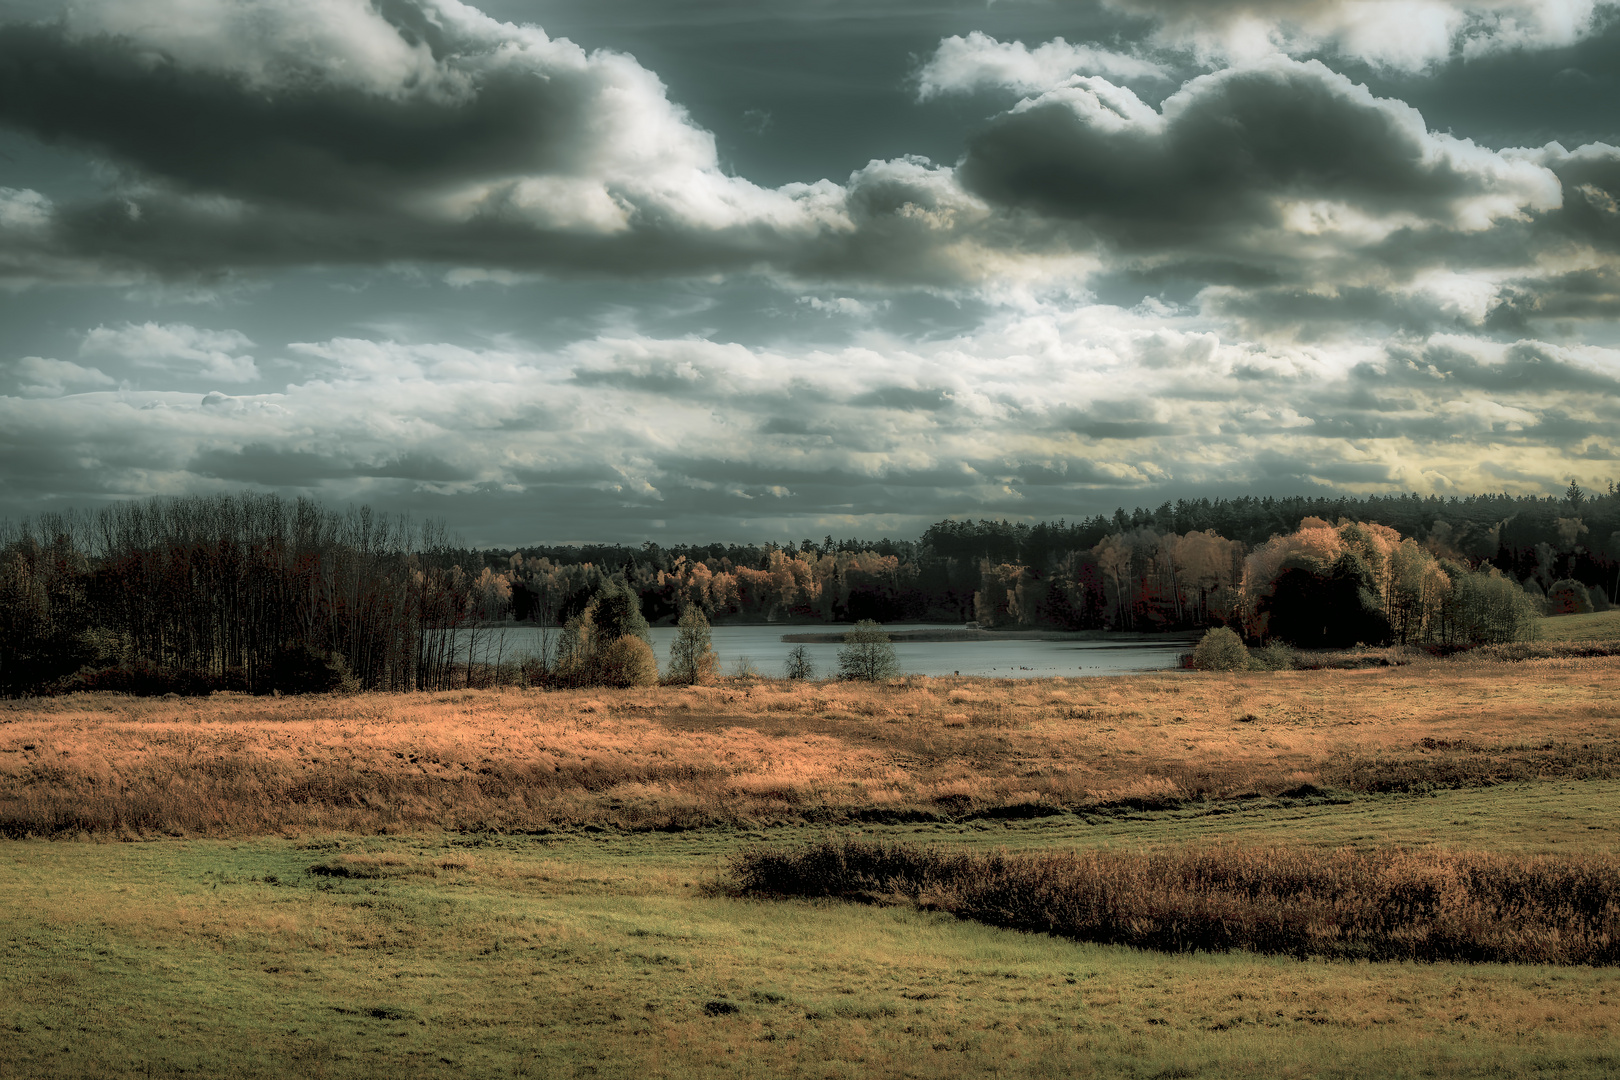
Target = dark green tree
(1313,610)
(617,612)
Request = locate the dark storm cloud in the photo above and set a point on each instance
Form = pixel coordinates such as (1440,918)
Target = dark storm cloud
(1229,152)
(904,399)
(1526,368)
(1521,97)
(1592,293)
(1591,180)
(1313,314)
(339,148)
(272,466)
(1117,420)
(417,466)
(432,135)
(421,130)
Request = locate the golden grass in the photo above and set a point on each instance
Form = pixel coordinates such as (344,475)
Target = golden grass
(764,751)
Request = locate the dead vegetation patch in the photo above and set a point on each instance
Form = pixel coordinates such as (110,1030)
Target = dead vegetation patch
(1344,904)
(917,749)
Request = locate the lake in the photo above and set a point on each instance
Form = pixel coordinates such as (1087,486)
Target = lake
(1014,658)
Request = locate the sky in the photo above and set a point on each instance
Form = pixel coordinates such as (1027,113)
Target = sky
(679,270)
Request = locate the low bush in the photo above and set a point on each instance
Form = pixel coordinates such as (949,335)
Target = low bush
(1274,656)
(1569,597)
(1220,649)
(1344,904)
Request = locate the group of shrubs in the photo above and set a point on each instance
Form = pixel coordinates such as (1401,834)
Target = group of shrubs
(610,644)
(1221,649)
(293,669)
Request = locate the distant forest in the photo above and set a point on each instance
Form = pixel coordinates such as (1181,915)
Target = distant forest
(1130,571)
(257,593)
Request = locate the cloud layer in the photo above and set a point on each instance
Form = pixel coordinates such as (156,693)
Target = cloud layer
(1192,254)
(1031,414)
(1404,34)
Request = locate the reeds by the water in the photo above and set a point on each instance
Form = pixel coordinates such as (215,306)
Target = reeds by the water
(1343,904)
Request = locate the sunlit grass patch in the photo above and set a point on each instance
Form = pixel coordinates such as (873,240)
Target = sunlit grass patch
(1594,626)
(770,752)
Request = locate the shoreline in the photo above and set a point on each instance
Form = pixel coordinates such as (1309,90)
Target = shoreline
(965,635)
(800,633)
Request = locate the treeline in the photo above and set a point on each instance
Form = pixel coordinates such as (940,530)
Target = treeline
(257,593)
(1064,574)
(1145,571)
(242,592)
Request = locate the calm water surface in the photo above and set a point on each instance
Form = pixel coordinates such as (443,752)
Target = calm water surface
(764,648)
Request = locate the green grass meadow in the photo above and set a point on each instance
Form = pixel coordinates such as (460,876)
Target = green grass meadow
(604,955)
(1594,626)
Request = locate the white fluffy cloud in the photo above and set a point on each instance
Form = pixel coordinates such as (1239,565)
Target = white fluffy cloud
(38,376)
(978,61)
(1032,411)
(1401,34)
(212,354)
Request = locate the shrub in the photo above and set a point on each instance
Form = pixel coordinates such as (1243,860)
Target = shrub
(867,655)
(626,661)
(1220,649)
(1569,597)
(303,669)
(146,680)
(607,644)
(799,665)
(1273,656)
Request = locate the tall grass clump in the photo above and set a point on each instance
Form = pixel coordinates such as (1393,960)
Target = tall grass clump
(1344,904)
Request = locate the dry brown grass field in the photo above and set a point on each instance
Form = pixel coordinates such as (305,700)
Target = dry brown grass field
(764,752)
